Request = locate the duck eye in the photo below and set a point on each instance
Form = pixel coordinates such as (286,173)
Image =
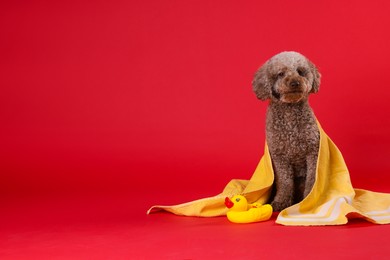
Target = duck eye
(238,199)
(301,72)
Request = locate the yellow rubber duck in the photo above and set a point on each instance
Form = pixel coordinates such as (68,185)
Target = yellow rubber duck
(240,211)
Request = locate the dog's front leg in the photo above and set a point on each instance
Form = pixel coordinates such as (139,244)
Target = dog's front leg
(311,163)
(284,184)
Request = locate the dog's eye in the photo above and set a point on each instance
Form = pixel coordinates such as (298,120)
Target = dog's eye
(281,74)
(301,72)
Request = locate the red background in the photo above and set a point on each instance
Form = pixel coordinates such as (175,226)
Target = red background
(109,107)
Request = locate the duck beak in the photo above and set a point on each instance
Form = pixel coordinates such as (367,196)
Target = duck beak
(228,203)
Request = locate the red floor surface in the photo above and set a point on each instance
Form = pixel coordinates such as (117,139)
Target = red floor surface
(118,228)
(110,107)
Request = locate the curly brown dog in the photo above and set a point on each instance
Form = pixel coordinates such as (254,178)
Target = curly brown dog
(292,133)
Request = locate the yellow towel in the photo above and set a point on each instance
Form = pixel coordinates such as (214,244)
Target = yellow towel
(331,202)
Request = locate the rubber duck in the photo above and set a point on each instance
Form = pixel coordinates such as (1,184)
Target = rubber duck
(240,211)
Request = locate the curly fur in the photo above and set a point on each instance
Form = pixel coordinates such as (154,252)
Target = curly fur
(292,133)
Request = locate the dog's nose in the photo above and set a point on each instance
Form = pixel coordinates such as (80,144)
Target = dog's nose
(294,84)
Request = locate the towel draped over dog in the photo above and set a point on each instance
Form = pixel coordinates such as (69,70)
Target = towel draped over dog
(331,201)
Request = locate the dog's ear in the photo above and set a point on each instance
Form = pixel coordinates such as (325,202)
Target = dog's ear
(316,78)
(261,83)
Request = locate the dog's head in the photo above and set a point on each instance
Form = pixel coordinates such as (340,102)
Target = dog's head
(287,77)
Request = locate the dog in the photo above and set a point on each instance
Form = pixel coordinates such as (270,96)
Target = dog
(292,134)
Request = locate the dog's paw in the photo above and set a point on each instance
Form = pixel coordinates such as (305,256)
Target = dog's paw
(279,206)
